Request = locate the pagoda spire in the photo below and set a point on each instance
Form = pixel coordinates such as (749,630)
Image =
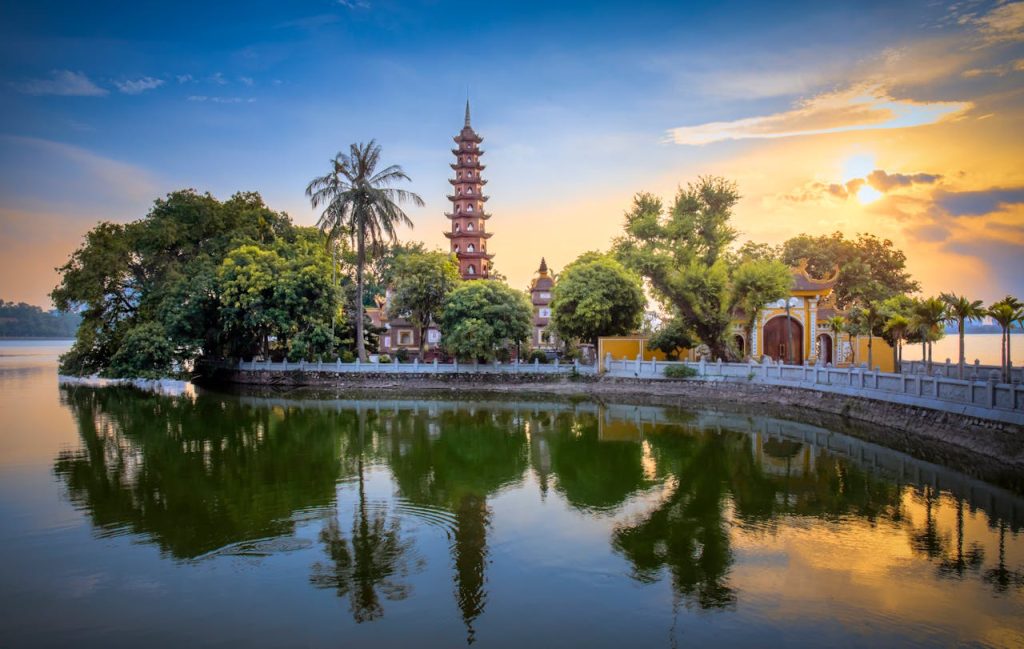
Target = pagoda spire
(468,233)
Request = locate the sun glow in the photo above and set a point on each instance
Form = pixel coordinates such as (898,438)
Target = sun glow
(868,194)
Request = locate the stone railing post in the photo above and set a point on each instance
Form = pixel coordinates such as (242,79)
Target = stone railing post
(976,376)
(455,365)
(702,369)
(436,369)
(576,365)
(337,364)
(990,390)
(607,361)
(639,359)
(536,365)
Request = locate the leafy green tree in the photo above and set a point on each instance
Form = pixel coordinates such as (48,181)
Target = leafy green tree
(360,201)
(596,296)
(145,352)
(670,338)
(961,310)
(683,254)
(422,281)
(755,283)
(284,293)
(870,269)
(161,268)
(380,269)
(481,316)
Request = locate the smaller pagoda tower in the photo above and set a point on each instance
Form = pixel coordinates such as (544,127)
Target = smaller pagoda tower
(468,233)
(540,296)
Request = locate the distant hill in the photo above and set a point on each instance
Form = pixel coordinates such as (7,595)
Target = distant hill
(20,320)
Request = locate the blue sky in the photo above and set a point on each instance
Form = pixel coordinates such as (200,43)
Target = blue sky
(108,105)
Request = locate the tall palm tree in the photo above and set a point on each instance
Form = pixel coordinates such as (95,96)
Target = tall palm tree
(870,318)
(961,310)
(1006,312)
(360,201)
(927,319)
(836,324)
(897,326)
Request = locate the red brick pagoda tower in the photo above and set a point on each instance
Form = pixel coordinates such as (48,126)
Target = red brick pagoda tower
(468,234)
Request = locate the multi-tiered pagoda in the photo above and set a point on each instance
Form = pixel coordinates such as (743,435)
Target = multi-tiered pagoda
(468,234)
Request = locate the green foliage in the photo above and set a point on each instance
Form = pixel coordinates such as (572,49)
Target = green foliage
(27,321)
(214,278)
(481,316)
(870,269)
(755,283)
(384,358)
(538,356)
(670,338)
(596,296)
(145,352)
(680,371)
(684,255)
(422,281)
(361,203)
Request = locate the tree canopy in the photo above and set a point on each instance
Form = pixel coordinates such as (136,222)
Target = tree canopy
(482,316)
(182,274)
(871,269)
(422,281)
(596,296)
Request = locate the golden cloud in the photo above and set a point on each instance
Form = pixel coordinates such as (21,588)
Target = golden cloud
(856,108)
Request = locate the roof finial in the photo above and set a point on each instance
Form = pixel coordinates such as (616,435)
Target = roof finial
(543,266)
(467,111)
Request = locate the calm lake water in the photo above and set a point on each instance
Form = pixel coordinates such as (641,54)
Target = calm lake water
(984,347)
(132,519)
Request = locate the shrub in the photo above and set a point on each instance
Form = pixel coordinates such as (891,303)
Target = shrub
(537,355)
(402,355)
(680,371)
(146,352)
(347,356)
(384,358)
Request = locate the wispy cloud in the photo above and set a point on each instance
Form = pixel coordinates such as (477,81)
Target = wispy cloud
(1003,24)
(246,80)
(137,86)
(184,78)
(884,182)
(65,83)
(218,78)
(354,4)
(222,100)
(853,109)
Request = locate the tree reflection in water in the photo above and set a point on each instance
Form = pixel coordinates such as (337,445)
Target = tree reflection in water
(376,558)
(198,476)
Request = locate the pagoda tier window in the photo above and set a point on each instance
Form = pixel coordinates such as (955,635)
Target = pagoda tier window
(470,248)
(469,226)
(469,208)
(457,227)
(471,270)
(455,248)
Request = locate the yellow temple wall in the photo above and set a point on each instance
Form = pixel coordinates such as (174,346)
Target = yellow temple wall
(627,347)
(881,353)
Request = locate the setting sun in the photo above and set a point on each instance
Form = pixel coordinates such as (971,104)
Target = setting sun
(868,194)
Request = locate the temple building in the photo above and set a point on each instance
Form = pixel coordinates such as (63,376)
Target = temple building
(794,329)
(468,233)
(540,297)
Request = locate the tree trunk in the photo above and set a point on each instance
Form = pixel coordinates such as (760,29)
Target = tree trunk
(1009,358)
(961,374)
(789,337)
(360,263)
(896,356)
(929,358)
(871,358)
(423,343)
